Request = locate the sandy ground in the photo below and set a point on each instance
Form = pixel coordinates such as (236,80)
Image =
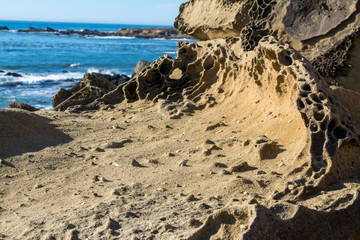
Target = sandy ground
(81,183)
(87,184)
(77,184)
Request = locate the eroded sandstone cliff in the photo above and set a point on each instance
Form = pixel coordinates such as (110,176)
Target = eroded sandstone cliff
(325,32)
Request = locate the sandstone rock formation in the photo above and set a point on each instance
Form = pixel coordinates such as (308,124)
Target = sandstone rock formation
(140,66)
(206,20)
(324,32)
(321,140)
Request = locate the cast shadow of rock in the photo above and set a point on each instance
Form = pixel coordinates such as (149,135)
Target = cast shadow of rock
(22,132)
(270,150)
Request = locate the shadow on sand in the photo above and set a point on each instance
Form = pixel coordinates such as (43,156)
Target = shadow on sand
(22,132)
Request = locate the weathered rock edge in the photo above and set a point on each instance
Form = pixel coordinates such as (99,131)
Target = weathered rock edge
(255,221)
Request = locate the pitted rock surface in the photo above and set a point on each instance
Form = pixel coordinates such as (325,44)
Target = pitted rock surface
(305,20)
(323,31)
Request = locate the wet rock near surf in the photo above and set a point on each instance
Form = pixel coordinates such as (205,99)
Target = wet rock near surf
(13,74)
(4,28)
(90,88)
(36,30)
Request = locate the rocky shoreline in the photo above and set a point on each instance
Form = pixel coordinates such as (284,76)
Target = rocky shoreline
(166,33)
(242,136)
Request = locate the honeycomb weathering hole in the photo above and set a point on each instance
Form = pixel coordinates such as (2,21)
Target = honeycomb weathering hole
(340,132)
(306,87)
(300,104)
(166,67)
(208,63)
(284,59)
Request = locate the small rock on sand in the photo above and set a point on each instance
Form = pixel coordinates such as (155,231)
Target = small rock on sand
(113,145)
(225,172)
(244,166)
(112,224)
(208,141)
(183,163)
(191,198)
(135,163)
(220,165)
(204,206)
(193,223)
(37,186)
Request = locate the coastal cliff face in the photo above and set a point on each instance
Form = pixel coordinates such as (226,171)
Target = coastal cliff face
(244,135)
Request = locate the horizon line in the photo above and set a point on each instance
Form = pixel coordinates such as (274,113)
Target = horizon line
(54,21)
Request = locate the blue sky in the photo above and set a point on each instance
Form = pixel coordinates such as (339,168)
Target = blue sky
(151,12)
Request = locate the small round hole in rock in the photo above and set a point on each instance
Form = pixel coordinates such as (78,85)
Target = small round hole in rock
(285,59)
(306,87)
(340,132)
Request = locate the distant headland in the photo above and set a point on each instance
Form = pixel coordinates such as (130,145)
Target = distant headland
(166,33)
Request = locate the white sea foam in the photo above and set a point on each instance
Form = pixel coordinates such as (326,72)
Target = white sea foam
(183,39)
(75,65)
(171,52)
(109,37)
(103,71)
(31,78)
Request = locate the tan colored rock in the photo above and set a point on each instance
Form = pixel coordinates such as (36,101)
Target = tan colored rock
(211,19)
(324,32)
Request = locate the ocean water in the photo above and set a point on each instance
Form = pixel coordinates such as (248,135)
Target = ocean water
(48,62)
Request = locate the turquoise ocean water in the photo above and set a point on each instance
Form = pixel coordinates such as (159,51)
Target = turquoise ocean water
(48,62)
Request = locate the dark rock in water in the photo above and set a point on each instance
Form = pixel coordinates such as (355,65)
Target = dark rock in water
(140,66)
(23,106)
(12,74)
(31,29)
(90,88)
(37,30)
(168,33)
(4,28)
(49,29)
(1,71)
